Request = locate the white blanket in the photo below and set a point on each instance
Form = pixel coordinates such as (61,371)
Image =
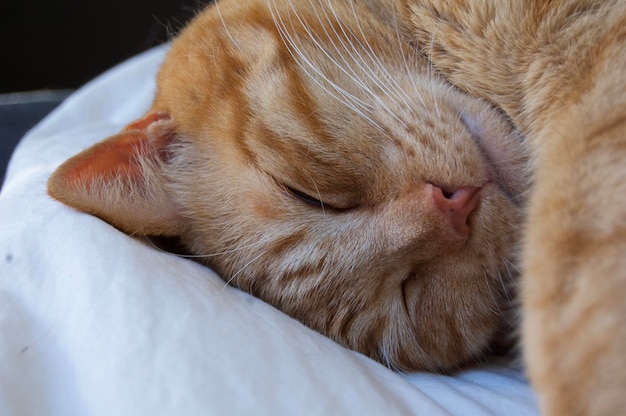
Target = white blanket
(95,322)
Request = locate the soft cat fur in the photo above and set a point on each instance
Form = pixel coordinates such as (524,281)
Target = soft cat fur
(558,69)
(263,110)
(266,108)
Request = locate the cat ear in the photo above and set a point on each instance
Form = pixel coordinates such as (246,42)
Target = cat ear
(122,179)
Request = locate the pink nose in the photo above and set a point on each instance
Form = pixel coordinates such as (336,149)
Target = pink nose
(456,204)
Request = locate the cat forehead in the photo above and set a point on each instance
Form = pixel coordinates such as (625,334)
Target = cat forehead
(241,40)
(341,109)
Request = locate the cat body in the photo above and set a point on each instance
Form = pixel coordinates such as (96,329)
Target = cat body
(558,69)
(310,154)
(312,158)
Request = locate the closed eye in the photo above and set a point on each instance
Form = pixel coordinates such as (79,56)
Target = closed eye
(307,199)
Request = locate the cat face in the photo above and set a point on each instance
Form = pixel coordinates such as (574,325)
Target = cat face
(312,158)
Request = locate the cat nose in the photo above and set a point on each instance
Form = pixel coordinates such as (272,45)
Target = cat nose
(456,204)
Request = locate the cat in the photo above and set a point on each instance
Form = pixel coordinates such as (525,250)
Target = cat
(558,70)
(309,155)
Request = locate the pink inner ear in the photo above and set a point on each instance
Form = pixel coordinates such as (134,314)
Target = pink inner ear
(109,159)
(118,154)
(115,180)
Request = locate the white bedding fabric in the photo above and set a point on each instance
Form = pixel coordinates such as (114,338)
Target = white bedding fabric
(95,322)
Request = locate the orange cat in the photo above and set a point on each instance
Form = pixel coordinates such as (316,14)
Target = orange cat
(558,69)
(314,159)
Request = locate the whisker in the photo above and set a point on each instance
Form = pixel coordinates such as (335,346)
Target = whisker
(230,36)
(494,301)
(322,48)
(340,94)
(399,91)
(358,58)
(150,241)
(221,253)
(243,268)
(409,70)
(356,104)
(430,71)
(319,195)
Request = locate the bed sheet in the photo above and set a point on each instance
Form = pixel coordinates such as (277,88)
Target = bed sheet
(95,322)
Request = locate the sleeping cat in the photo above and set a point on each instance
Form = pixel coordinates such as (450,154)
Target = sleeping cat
(311,154)
(558,69)
(315,160)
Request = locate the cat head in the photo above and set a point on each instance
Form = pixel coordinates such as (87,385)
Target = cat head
(312,158)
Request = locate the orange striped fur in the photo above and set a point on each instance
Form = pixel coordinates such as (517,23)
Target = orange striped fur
(308,153)
(558,69)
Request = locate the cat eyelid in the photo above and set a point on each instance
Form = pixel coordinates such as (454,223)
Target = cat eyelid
(307,199)
(313,201)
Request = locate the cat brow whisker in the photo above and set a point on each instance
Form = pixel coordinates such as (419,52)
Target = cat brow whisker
(322,48)
(230,36)
(296,53)
(399,91)
(358,58)
(349,100)
(409,71)
(348,47)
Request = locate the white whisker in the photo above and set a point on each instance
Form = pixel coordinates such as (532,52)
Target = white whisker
(301,59)
(430,71)
(319,195)
(358,58)
(322,48)
(221,253)
(409,70)
(230,36)
(244,267)
(357,105)
(394,86)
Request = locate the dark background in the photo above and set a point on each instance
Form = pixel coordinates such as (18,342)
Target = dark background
(57,46)
(63,44)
